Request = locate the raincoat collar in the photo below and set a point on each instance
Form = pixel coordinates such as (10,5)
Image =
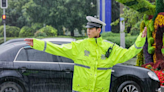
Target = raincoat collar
(96,40)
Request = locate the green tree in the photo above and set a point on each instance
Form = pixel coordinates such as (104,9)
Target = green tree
(26,32)
(130,20)
(14,13)
(11,31)
(58,13)
(132,15)
(115,16)
(49,31)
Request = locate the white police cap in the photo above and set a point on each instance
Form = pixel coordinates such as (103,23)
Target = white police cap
(94,22)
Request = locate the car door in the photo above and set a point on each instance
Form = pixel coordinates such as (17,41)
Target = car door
(67,67)
(41,69)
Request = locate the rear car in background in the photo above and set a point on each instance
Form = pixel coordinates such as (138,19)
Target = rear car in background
(23,69)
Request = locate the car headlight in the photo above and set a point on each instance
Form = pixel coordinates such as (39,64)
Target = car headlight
(153,76)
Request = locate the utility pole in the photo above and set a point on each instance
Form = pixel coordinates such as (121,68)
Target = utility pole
(122,28)
(4,5)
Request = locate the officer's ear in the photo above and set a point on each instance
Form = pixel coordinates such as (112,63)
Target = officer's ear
(98,29)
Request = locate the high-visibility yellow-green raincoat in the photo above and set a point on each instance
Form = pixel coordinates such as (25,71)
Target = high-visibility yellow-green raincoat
(92,70)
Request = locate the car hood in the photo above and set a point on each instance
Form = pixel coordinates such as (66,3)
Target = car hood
(121,70)
(125,66)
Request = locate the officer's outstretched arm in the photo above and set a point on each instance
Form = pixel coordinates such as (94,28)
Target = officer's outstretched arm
(65,50)
(122,55)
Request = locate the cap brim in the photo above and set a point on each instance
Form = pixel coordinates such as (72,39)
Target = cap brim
(89,26)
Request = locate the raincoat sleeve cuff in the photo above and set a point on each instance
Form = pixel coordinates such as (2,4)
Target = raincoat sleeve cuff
(38,44)
(140,42)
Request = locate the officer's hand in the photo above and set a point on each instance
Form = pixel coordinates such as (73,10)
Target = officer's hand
(29,41)
(144,33)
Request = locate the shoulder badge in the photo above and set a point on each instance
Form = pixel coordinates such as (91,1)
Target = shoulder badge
(86,53)
(103,57)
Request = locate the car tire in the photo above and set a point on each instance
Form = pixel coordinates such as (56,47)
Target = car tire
(129,86)
(10,87)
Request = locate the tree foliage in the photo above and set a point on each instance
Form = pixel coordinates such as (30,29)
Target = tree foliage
(39,34)
(58,13)
(14,13)
(131,17)
(49,30)
(70,14)
(26,31)
(11,31)
(115,16)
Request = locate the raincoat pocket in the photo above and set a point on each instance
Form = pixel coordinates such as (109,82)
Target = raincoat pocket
(103,80)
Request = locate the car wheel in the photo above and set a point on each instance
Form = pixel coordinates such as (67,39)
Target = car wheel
(129,86)
(10,87)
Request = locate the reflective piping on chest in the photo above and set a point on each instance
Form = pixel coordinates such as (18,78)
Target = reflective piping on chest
(82,66)
(45,45)
(104,68)
(137,47)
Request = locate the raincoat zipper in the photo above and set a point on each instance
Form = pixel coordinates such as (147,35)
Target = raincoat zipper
(95,66)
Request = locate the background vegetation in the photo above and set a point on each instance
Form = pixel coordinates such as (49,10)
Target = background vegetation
(60,14)
(51,18)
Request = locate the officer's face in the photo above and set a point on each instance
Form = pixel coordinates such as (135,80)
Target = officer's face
(93,32)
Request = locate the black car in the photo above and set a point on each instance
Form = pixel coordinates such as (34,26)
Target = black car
(23,69)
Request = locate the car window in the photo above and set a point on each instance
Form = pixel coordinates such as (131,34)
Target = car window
(35,55)
(67,60)
(22,55)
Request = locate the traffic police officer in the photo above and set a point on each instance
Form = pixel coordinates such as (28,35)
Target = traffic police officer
(93,57)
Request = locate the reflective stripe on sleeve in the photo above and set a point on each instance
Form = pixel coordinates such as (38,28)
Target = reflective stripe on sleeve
(137,47)
(74,91)
(45,45)
(82,66)
(103,68)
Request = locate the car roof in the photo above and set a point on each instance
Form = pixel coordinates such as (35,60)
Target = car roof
(13,40)
(53,40)
(59,39)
